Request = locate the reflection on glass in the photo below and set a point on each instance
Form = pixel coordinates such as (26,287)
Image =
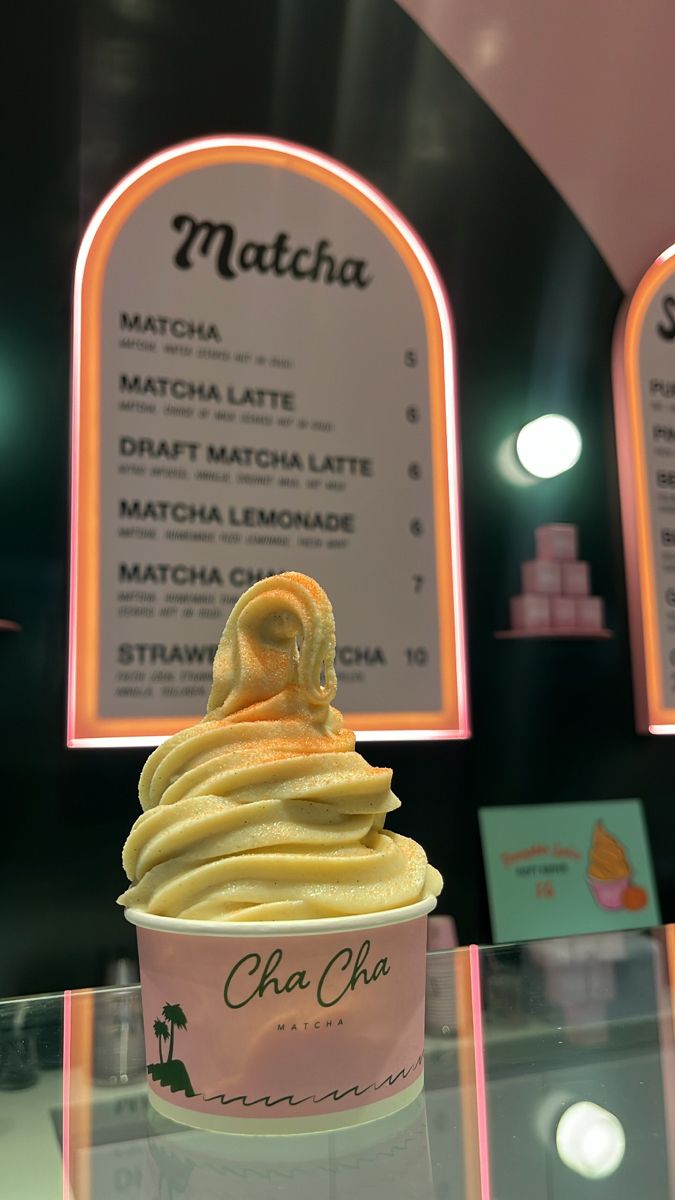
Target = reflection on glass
(580,1066)
(590,1140)
(386,1158)
(580,977)
(562,1116)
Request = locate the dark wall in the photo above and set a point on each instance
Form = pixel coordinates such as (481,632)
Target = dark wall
(97,88)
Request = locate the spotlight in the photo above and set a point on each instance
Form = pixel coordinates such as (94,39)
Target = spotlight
(590,1140)
(549,445)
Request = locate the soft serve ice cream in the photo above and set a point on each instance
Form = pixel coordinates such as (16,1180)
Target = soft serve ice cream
(264,811)
(607,860)
(609,871)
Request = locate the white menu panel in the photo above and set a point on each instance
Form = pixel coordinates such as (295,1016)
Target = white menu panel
(263,383)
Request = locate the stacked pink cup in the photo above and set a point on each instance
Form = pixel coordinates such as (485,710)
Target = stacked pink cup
(556,588)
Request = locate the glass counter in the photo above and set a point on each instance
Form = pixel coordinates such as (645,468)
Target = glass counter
(549,1075)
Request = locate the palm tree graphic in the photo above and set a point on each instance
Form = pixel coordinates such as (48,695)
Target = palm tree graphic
(161,1032)
(175,1015)
(170,1072)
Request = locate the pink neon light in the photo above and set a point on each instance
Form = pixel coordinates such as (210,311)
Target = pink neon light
(369,735)
(452,422)
(479,1060)
(65,1125)
(666,254)
(664,1015)
(628,498)
(629,518)
(74,505)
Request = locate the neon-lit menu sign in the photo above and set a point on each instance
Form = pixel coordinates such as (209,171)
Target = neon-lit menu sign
(263,381)
(644,388)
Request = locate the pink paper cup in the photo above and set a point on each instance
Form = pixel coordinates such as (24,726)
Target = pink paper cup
(283,1027)
(608,893)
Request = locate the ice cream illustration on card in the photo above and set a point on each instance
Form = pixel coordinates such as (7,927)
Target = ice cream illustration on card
(610,875)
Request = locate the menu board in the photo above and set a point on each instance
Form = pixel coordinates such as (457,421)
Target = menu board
(644,389)
(263,381)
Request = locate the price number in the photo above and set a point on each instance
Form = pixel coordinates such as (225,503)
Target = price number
(544,890)
(417,656)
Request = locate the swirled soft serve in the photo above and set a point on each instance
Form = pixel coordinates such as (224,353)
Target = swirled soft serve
(264,811)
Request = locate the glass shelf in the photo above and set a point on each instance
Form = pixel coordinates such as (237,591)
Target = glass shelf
(549,1075)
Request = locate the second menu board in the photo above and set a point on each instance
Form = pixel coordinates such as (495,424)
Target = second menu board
(263,382)
(644,382)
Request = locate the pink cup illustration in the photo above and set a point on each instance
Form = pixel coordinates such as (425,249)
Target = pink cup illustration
(609,893)
(609,871)
(283,1026)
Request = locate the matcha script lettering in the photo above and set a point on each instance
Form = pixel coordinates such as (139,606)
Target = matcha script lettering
(348,969)
(220,242)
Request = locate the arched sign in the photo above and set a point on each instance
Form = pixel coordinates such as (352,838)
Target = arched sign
(644,390)
(263,381)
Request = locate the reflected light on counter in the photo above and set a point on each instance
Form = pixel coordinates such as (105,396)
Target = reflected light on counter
(590,1140)
(548,445)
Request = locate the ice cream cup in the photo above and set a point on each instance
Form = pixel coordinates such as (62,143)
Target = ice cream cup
(608,893)
(286,1026)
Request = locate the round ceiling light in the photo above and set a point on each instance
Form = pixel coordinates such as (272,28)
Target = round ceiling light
(548,445)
